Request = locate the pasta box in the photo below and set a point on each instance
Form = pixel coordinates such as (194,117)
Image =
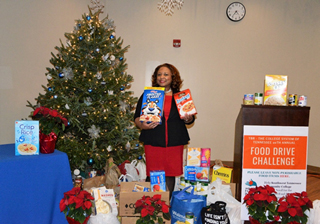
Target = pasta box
(27,138)
(152,104)
(185,103)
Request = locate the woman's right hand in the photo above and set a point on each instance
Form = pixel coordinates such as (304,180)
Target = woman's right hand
(146,126)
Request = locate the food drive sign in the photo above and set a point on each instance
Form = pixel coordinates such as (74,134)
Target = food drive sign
(274,155)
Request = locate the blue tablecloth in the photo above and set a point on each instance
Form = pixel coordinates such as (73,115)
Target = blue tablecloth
(31,187)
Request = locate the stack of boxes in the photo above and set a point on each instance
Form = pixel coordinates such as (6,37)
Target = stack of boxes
(198,167)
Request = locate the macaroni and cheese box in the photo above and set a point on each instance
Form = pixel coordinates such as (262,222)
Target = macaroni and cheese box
(194,157)
(223,173)
(158,181)
(185,103)
(152,104)
(275,90)
(27,138)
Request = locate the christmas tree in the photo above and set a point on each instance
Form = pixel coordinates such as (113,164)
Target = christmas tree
(88,84)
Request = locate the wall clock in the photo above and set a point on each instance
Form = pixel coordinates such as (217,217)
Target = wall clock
(236,11)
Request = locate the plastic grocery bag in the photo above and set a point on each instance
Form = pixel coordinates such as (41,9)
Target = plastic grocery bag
(141,167)
(183,202)
(132,171)
(104,219)
(314,214)
(223,192)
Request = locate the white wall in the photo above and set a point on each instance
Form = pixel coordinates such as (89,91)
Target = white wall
(219,60)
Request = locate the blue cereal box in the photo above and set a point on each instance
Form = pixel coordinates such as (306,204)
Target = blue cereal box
(190,173)
(26,138)
(158,181)
(152,104)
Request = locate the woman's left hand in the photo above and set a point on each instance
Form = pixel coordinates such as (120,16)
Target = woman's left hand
(187,118)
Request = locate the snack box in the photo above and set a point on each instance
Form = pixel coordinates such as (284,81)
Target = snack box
(27,138)
(223,173)
(185,103)
(152,104)
(195,173)
(193,156)
(127,198)
(105,201)
(158,181)
(275,90)
(205,157)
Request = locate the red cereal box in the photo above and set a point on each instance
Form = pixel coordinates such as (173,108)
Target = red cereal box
(185,103)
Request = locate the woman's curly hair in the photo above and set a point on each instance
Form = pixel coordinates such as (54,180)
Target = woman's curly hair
(176,79)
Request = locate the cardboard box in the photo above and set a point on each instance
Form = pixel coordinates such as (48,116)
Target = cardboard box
(195,173)
(128,198)
(224,173)
(152,104)
(185,103)
(158,181)
(133,219)
(27,138)
(275,90)
(194,157)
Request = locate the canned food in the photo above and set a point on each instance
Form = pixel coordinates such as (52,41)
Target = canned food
(182,182)
(258,98)
(189,218)
(293,100)
(302,101)
(204,186)
(248,99)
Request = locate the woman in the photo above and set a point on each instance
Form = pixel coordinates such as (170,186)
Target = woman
(163,143)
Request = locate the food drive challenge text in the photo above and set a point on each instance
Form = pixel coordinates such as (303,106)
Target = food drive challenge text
(280,152)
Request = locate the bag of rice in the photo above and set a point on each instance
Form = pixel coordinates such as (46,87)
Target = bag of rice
(275,90)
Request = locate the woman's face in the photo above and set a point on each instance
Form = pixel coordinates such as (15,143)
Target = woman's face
(164,77)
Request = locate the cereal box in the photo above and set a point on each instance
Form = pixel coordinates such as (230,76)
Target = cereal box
(185,103)
(205,157)
(26,138)
(158,181)
(152,104)
(223,173)
(194,157)
(190,173)
(275,90)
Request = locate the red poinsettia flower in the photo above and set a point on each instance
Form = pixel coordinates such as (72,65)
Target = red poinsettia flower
(76,204)
(150,207)
(50,120)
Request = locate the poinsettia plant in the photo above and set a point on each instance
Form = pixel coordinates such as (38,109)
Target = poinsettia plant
(293,206)
(261,203)
(50,120)
(76,204)
(150,208)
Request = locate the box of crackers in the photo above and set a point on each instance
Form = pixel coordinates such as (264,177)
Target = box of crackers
(275,90)
(152,104)
(27,138)
(185,103)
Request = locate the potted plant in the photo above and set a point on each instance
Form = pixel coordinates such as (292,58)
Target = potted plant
(261,203)
(76,205)
(52,123)
(150,208)
(292,208)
